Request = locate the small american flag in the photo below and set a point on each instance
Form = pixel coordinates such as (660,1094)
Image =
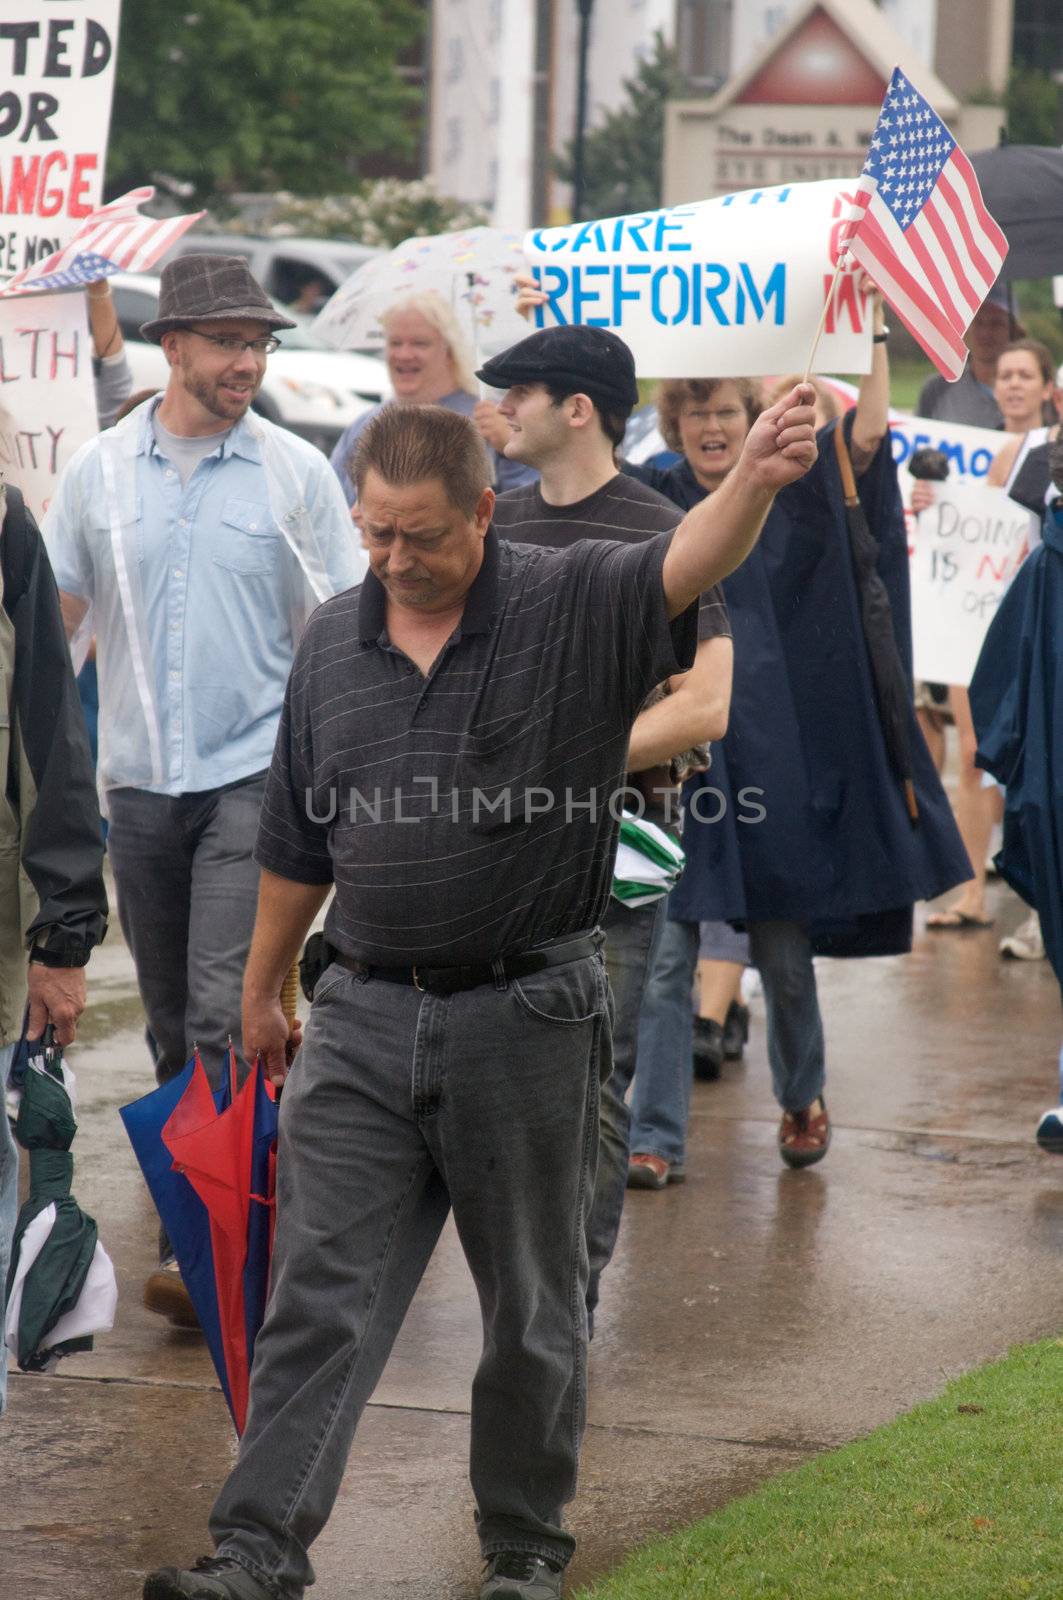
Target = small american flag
(920,227)
(116,238)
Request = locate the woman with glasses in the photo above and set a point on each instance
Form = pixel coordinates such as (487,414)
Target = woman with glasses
(799,835)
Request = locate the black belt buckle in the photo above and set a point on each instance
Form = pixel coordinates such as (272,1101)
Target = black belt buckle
(417,981)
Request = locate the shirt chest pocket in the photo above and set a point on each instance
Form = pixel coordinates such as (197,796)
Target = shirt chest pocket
(129,521)
(499,767)
(247,541)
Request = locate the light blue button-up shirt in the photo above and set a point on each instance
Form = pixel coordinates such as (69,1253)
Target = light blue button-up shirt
(219,587)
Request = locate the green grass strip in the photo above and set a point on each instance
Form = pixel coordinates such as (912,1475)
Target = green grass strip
(960,1499)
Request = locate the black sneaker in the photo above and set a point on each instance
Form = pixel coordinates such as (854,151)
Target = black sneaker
(1050,1131)
(212,1578)
(514,1575)
(735,1031)
(708,1049)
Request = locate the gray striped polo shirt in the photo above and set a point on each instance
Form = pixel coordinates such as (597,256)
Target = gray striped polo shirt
(471,813)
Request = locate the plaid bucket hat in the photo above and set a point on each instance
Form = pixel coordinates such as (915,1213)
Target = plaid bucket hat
(209,288)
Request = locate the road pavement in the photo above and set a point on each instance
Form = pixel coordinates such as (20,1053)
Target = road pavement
(752,1316)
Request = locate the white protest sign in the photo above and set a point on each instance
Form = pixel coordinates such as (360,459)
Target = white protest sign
(732,287)
(969,451)
(966,548)
(47,401)
(57,66)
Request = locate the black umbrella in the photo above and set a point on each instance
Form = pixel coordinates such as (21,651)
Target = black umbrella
(892,690)
(1022,185)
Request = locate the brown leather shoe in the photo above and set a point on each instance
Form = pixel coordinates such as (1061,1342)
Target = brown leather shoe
(165,1293)
(804,1136)
(653,1172)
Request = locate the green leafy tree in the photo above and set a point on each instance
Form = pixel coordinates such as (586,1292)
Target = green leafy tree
(260,94)
(1032,102)
(623,154)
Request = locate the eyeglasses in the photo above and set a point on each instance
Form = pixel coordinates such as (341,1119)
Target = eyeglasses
(234,346)
(725,415)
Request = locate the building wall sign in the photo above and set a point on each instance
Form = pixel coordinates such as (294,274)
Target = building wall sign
(768,145)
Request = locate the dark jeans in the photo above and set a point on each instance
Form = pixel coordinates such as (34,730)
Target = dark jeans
(631,937)
(783,954)
(187,892)
(399,1107)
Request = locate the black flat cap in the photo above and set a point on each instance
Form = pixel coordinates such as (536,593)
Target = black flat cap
(209,288)
(589,361)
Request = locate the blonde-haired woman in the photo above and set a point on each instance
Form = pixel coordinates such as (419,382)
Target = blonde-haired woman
(429,363)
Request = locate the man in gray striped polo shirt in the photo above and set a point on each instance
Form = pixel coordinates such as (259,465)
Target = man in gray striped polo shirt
(453,735)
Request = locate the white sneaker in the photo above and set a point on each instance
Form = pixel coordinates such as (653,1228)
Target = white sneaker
(1025,944)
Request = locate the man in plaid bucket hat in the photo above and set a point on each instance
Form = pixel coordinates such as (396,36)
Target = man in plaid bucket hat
(194,539)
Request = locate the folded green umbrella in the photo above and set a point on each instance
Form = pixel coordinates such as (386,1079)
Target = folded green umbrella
(648,862)
(61,1286)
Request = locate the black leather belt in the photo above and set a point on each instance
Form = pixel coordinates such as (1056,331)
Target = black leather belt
(451,980)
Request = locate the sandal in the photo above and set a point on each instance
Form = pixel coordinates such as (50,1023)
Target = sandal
(804,1136)
(953,919)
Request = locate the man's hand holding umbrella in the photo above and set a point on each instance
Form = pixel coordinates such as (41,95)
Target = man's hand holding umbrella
(269,1036)
(285,912)
(57,996)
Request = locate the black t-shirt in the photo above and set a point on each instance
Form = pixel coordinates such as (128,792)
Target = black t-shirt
(622,509)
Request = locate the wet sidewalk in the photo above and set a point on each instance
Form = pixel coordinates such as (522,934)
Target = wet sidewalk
(752,1316)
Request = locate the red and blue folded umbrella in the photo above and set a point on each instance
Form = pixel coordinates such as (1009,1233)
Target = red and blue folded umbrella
(209,1160)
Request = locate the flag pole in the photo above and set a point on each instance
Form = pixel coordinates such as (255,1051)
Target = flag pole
(826,307)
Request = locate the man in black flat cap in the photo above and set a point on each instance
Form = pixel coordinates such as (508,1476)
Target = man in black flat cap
(200,537)
(569,394)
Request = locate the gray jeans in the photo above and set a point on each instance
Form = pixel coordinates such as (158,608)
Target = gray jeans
(187,892)
(400,1106)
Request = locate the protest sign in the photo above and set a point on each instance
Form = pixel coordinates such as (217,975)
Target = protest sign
(965,550)
(969,451)
(57,65)
(47,402)
(732,287)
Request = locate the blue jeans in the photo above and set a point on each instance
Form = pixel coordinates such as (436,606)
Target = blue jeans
(631,936)
(8,1211)
(660,1101)
(661,1098)
(400,1107)
(783,953)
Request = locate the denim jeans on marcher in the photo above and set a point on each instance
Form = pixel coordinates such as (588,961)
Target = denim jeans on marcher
(187,893)
(783,953)
(400,1107)
(631,935)
(660,1100)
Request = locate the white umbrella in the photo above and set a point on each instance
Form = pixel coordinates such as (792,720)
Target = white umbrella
(475,272)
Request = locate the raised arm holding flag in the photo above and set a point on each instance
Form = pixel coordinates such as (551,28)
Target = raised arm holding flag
(920,227)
